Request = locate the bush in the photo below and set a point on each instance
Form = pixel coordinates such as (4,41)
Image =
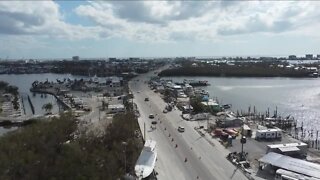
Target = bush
(40,151)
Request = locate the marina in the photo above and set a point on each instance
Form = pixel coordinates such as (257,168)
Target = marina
(252,126)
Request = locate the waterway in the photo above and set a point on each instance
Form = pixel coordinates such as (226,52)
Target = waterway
(24,81)
(298,97)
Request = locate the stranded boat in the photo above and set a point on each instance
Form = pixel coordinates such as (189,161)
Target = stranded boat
(147,160)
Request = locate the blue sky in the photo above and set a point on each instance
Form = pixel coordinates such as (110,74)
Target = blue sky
(61,29)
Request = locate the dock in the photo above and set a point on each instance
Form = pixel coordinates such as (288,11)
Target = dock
(53,93)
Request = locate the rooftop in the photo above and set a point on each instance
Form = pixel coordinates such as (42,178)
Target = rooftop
(292,164)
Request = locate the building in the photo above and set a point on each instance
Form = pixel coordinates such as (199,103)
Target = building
(75,58)
(212,105)
(275,161)
(292,57)
(229,122)
(318,56)
(116,108)
(309,56)
(289,149)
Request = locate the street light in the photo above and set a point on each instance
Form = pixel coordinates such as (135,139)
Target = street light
(125,159)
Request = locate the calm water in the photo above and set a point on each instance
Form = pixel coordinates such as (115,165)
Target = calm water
(299,98)
(24,81)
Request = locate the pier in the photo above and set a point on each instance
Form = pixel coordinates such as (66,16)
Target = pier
(31,105)
(53,93)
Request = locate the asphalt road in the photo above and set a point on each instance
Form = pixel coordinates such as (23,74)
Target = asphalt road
(204,160)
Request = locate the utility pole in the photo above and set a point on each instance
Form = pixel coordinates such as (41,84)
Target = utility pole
(144,131)
(99,113)
(125,158)
(243,141)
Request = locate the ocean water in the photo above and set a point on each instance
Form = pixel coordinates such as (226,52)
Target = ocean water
(24,81)
(298,97)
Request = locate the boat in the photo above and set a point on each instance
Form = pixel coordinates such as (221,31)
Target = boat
(147,160)
(193,82)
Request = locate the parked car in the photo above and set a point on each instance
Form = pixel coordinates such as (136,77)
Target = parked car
(146,99)
(151,116)
(154,122)
(181,129)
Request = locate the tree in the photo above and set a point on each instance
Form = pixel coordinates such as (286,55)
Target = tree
(47,107)
(15,103)
(12,89)
(195,102)
(3,84)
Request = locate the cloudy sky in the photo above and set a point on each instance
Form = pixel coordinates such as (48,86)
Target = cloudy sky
(61,29)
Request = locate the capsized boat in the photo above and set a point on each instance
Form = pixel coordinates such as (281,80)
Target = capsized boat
(147,160)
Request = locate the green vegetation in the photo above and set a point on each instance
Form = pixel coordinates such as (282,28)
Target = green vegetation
(47,107)
(263,69)
(6,88)
(48,150)
(198,107)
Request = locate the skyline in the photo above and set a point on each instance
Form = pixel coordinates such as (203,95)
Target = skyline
(61,29)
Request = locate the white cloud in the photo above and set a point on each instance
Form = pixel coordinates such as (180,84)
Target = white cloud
(169,21)
(39,18)
(162,21)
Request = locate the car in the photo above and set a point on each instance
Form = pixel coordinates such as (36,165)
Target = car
(154,122)
(151,116)
(181,129)
(138,91)
(146,99)
(165,111)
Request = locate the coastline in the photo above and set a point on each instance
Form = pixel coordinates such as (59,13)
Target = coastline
(228,71)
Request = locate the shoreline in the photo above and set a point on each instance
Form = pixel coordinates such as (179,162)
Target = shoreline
(236,72)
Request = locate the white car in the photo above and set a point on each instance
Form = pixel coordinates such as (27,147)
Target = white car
(181,129)
(151,116)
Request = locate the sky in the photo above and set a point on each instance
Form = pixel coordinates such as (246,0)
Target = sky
(94,29)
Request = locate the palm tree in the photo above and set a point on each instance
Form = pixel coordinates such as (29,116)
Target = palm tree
(47,107)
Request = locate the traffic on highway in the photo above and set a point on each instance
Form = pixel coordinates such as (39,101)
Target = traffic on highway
(182,152)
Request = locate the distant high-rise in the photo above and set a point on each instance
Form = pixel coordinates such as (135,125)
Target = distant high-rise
(309,56)
(292,57)
(318,56)
(75,58)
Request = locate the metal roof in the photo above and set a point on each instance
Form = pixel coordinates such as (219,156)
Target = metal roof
(287,145)
(292,164)
(289,149)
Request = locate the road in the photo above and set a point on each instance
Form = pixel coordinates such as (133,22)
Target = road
(204,160)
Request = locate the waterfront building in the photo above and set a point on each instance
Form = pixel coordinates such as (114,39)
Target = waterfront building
(75,58)
(309,56)
(292,57)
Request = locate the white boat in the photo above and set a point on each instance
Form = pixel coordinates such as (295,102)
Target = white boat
(147,160)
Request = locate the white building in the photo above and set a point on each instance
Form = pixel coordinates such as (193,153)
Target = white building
(116,108)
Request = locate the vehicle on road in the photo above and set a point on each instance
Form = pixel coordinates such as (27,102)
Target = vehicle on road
(151,116)
(181,129)
(146,99)
(154,122)
(165,111)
